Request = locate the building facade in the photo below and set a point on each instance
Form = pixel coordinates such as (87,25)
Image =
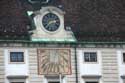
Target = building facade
(38,46)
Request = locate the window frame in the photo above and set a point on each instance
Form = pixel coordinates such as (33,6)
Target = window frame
(17,58)
(89,61)
(9,59)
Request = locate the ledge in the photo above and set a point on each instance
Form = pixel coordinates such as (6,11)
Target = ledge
(53,76)
(91,76)
(17,76)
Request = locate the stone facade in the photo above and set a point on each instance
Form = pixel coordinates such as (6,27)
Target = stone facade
(2,70)
(109,71)
(88,26)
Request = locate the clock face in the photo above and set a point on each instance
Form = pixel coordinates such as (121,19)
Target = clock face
(51,22)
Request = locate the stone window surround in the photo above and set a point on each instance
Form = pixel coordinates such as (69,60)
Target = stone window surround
(91,51)
(18,58)
(16,50)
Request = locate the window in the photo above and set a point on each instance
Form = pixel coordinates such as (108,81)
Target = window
(17,82)
(54,82)
(16,56)
(90,57)
(91,82)
(124,57)
(54,79)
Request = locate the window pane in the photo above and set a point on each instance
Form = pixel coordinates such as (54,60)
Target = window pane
(93,57)
(16,57)
(86,57)
(123,57)
(20,57)
(13,58)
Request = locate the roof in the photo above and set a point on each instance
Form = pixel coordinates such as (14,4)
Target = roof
(96,20)
(13,20)
(90,20)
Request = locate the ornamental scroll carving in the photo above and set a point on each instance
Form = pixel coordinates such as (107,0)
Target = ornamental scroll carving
(54,61)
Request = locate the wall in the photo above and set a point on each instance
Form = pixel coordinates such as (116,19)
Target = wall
(107,65)
(33,67)
(2,66)
(88,68)
(121,65)
(16,69)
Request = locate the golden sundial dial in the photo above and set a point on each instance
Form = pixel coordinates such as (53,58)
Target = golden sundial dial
(54,61)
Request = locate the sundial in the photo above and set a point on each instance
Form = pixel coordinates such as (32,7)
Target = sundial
(54,61)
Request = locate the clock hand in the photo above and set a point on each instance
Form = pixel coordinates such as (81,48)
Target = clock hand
(48,24)
(51,22)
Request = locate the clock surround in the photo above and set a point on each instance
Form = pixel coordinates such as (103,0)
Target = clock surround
(40,33)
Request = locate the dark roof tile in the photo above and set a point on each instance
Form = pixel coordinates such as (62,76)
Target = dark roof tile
(13,19)
(96,20)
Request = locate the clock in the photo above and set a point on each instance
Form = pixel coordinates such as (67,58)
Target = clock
(51,22)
